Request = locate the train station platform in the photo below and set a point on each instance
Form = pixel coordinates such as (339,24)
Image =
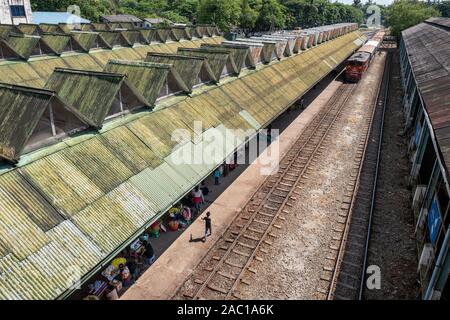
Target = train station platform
(175,265)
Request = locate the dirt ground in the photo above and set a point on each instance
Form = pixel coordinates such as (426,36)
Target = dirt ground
(392,244)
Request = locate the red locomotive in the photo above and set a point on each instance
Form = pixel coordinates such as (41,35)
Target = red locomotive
(359,62)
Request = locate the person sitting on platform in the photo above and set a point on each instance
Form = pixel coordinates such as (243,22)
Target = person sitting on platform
(149,253)
(125,275)
(112,293)
(187,216)
(135,267)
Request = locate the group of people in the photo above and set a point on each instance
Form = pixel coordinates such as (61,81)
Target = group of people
(145,256)
(180,217)
(131,270)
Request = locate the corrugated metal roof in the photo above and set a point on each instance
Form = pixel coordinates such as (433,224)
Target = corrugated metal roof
(94,93)
(148,78)
(148,34)
(428,48)
(187,67)
(444,22)
(130,150)
(21,203)
(27,46)
(51,28)
(87,40)
(60,43)
(81,61)
(7,29)
(114,38)
(99,26)
(62,183)
(126,54)
(21,109)
(127,209)
(134,36)
(238,53)
(243,92)
(254,51)
(45,67)
(252,121)
(98,163)
(121,18)
(30,29)
(147,182)
(217,59)
(37,71)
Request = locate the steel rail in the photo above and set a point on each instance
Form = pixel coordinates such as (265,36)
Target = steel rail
(261,205)
(375,182)
(318,117)
(341,250)
(318,145)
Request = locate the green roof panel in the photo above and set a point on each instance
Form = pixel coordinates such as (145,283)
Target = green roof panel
(20,111)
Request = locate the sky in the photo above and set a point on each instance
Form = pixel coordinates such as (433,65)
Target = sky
(384,2)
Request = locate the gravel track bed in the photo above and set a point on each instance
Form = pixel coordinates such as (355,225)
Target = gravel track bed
(296,259)
(193,283)
(392,245)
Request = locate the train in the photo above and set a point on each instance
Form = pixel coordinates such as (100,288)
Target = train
(359,62)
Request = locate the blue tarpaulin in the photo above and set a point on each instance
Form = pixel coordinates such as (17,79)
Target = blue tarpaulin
(434,221)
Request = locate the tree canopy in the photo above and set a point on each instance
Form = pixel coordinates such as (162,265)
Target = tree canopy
(257,15)
(403,14)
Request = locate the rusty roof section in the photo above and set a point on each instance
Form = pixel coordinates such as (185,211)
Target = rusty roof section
(441,22)
(121,18)
(428,48)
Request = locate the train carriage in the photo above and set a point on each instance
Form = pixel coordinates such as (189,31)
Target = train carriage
(356,66)
(359,62)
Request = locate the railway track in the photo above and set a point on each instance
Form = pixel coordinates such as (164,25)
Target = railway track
(223,268)
(348,280)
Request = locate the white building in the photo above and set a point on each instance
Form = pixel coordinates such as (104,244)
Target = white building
(15,11)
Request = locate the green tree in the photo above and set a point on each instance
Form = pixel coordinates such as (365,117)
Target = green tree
(357,4)
(143,8)
(272,15)
(225,14)
(403,14)
(174,17)
(185,8)
(305,13)
(311,13)
(90,9)
(249,15)
(444,8)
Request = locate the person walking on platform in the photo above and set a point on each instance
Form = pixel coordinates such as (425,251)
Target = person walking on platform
(269,134)
(208,228)
(216,177)
(302,103)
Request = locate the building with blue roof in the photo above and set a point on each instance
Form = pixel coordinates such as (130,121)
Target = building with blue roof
(57,17)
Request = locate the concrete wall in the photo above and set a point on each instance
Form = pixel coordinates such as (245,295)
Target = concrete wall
(5,13)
